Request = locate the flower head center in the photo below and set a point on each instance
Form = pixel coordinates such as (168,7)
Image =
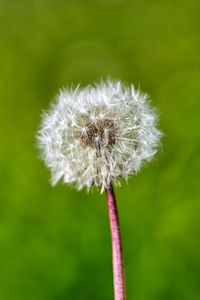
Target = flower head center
(99,134)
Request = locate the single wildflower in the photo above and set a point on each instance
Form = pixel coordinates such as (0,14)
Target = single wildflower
(96,136)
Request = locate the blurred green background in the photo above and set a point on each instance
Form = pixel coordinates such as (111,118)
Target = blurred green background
(55,242)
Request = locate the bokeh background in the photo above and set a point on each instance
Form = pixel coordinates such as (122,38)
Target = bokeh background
(55,242)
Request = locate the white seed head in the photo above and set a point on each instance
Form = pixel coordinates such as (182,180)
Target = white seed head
(98,134)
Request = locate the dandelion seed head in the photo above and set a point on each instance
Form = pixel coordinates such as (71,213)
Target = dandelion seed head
(98,134)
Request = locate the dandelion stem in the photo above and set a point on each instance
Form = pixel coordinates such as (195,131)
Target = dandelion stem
(117,255)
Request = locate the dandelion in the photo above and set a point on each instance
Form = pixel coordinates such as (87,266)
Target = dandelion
(96,136)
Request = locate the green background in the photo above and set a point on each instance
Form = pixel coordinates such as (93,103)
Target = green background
(55,242)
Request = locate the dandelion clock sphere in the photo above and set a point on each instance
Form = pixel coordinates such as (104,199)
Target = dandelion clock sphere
(97,135)
(94,136)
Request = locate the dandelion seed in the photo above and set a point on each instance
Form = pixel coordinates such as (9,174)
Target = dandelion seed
(108,122)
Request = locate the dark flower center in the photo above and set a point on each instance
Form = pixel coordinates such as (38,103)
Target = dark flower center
(100,134)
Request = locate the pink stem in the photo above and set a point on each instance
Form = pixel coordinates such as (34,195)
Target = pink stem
(118,265)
